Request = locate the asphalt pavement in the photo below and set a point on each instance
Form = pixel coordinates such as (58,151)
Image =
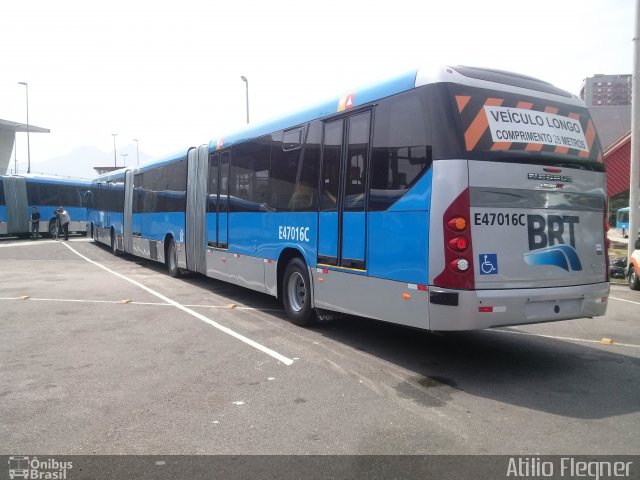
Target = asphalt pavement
(109,355)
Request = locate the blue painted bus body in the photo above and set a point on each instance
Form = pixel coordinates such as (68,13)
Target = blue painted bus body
(46,194)
(155,226)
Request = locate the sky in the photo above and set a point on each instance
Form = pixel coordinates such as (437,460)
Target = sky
(168,73)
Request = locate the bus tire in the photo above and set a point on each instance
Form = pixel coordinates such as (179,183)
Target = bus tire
(172,260)
(114,244)
(634,281)
(296,294)
(52,228)
(624,234)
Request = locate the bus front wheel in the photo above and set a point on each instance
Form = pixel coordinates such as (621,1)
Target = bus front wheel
(172,260)
(634,281)
(297,293)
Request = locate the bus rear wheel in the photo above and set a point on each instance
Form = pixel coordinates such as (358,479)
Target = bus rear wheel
(634,281)
(296,294)
(53,231)
(172,260)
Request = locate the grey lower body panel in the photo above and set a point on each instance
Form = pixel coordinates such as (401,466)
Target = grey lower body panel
(74,226)
(3,228)
(388,300)
(243,270)
(149,249)
(478,309)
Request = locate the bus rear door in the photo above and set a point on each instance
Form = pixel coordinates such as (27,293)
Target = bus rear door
(342,219)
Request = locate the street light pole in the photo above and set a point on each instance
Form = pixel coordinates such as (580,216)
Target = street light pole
(634,161)
(26,86)
(137,152)
(124,159)
(115,163)
(244,79)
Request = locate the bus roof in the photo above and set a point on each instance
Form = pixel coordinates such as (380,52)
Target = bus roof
(398,84)
(40,178)
(350,99)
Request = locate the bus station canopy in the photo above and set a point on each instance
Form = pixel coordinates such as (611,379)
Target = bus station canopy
(8,131)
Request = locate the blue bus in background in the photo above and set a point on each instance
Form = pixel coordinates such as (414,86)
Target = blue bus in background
(18,193)
(105,217)
(444,199)
(622,221)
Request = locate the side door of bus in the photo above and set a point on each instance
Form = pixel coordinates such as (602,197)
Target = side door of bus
(342,217)
(217,214)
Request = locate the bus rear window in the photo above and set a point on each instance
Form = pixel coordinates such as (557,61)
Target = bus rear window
(492,124)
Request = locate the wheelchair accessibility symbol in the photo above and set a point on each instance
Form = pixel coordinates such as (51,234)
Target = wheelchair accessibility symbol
(488,263)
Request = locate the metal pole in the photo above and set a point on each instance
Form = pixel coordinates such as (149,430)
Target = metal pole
(137,152)
(244,79)
(124,159)
(26,85)
(115,163)
(634,170)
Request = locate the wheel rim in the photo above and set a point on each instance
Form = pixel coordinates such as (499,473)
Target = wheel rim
(632,278)
(297,291)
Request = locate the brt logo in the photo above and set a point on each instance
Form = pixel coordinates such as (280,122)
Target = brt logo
(547,241)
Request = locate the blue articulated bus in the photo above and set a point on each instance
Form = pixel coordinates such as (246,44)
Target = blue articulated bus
(622,221)
(18,193)
(446,199)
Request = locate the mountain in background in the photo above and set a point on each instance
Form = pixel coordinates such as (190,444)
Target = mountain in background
(80,162)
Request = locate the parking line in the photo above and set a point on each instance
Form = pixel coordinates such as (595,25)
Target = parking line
(624,300)
(44,241)
(514,332)
(133,302)
(222,328)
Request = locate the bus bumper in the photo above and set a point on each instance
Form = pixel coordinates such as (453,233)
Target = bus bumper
(478,309)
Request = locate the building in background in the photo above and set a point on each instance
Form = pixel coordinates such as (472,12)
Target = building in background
(606,90)
(608,98)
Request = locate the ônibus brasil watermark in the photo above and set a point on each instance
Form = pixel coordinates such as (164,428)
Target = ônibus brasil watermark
(37,469)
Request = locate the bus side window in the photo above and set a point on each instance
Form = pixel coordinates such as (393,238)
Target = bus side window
(401,148)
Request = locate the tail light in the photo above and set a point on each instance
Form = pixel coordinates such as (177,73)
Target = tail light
(458,270)
(458,243)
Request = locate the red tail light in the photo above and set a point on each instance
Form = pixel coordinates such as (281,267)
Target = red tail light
(458,243)
(458,270)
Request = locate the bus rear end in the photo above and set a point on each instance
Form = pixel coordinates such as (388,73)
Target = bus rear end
(517,232)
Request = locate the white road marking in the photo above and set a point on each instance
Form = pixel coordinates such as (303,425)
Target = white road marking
(132,302)
(561,338)
(222,328)
(623,300)
(41,242)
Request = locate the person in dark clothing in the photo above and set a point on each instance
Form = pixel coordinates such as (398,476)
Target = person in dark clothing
(64,221)
(35,222)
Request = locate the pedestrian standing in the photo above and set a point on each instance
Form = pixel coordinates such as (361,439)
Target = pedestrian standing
(64,221)
(35,222)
